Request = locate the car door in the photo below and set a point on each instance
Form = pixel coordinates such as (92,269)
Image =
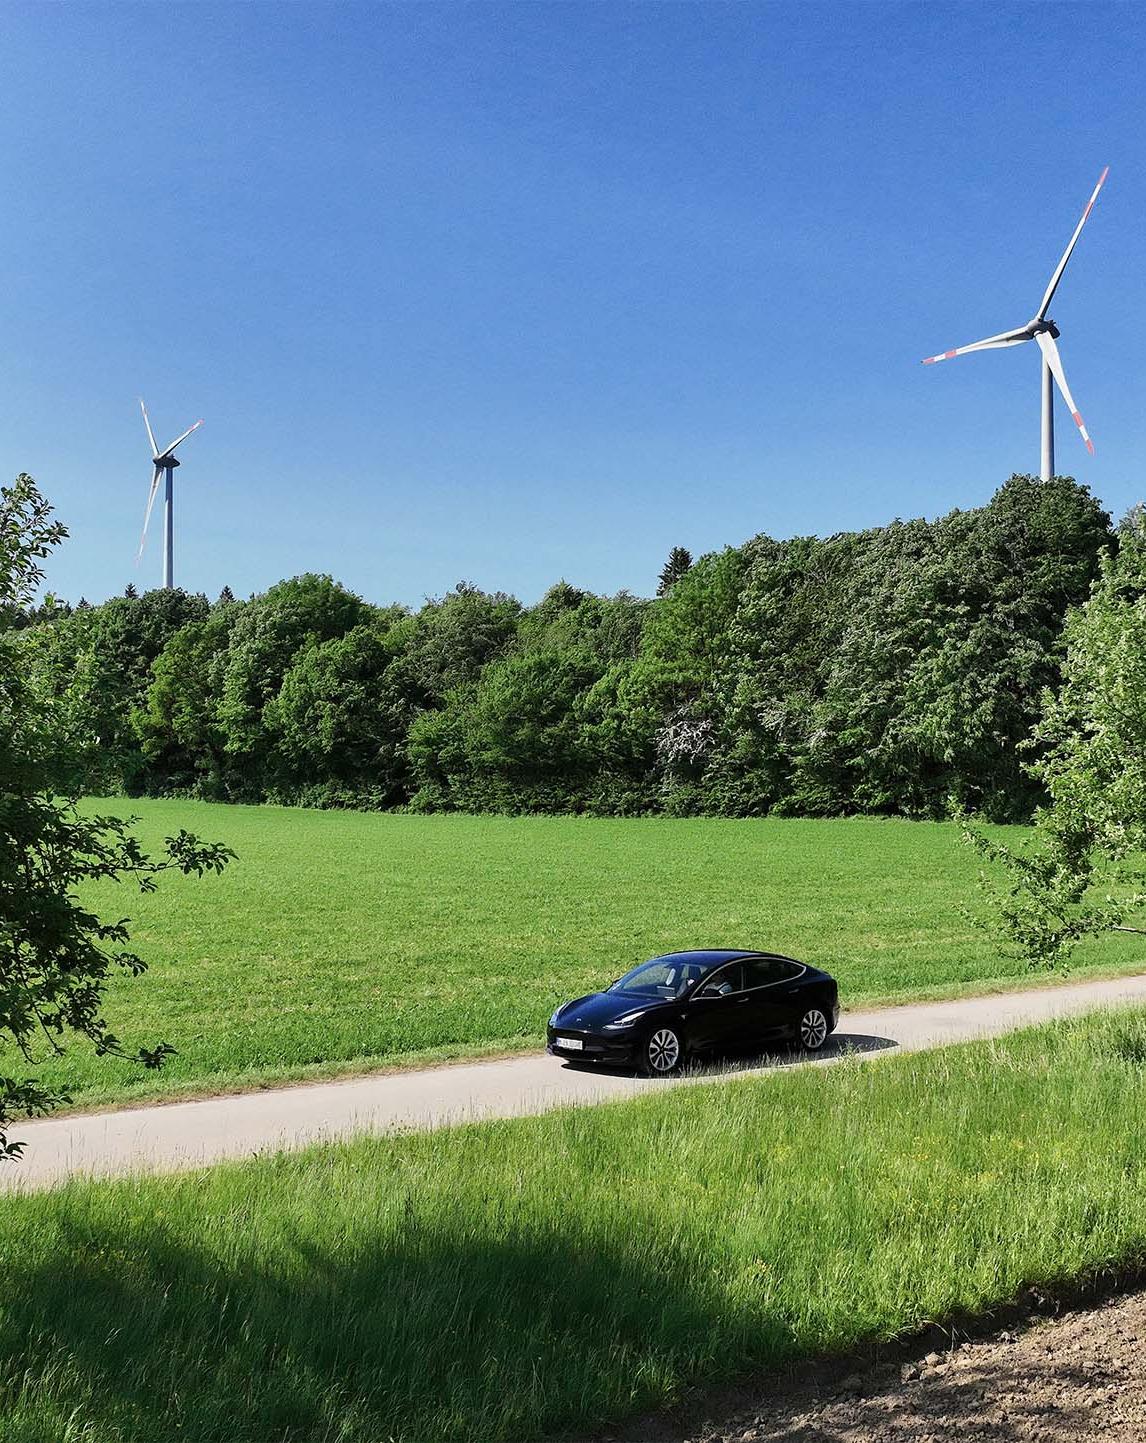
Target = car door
(773,990)
(715,1009)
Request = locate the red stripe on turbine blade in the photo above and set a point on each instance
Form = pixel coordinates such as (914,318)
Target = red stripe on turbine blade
(1090,445)
(930,360)
(1076,418)
(948,354)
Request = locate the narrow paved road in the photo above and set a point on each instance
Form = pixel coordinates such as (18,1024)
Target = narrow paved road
(189,1134)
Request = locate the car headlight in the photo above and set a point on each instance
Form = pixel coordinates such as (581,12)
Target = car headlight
(626,1021)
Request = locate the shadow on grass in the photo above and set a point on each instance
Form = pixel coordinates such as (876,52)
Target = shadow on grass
(840,1044)
(132,1333)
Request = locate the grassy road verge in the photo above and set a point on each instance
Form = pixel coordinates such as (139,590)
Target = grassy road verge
(507,1280)
(343,941)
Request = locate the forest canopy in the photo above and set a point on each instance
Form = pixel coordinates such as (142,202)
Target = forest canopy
(895,670)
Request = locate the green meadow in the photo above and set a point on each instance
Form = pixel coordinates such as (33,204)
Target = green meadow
(512,1280)
(340,941)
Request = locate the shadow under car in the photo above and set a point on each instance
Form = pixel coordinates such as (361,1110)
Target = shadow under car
(840,1044)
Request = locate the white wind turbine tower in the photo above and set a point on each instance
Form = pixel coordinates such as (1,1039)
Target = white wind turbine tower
(1043,331)
(165,463)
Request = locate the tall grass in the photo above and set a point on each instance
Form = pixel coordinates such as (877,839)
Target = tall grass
(510,1279)
(341,941)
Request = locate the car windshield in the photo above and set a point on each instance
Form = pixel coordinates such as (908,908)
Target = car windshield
(663,977)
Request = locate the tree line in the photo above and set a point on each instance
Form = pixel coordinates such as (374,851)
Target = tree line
(895,670)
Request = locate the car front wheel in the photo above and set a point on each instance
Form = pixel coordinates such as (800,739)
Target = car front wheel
(814,1030)
(662,1053)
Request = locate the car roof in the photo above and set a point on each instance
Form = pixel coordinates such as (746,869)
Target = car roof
(710,956)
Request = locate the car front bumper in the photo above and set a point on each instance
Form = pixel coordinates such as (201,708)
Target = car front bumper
(610,1051)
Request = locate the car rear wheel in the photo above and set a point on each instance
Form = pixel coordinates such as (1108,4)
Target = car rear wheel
(814,1030)
(662,1053)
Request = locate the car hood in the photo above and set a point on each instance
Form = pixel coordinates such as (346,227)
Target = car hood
(601,1007)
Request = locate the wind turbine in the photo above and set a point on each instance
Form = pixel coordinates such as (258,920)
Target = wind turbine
(165,463)
(1044,333)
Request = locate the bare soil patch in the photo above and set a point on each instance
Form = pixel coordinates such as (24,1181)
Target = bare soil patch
(1070,1379)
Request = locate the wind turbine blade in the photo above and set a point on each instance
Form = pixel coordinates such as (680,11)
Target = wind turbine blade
(1004,338)
(1054,280)
(147,514)
(180,439)
(150,432)
(1054,361)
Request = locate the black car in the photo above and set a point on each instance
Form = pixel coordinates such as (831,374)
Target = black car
(688,1003)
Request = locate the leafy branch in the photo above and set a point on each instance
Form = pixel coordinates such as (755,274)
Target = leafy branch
(56,956)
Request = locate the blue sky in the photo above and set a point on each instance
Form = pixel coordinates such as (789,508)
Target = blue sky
(514,293)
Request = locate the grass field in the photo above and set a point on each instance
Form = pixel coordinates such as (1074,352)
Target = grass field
(342,940)
(507,1280)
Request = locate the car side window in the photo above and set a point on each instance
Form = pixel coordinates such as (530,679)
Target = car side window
(725,982)
(763,971)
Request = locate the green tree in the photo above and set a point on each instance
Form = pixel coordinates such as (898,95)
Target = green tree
(512,741)
(181,735)
(896,669)
(679,561)
(1081,875)
(55,956)
(520,733)
(618,732)
(1133,519)
(568,619)
(451,639)
(340,720)
(790,613)
(98,660)
(267,633)
(969,639)
(681,673)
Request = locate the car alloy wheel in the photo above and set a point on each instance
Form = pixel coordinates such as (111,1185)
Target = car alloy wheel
(813,1029)
(662,1052)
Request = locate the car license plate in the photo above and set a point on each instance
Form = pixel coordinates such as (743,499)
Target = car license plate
(574,1044)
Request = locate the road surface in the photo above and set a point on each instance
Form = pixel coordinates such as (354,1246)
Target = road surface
(172,1136)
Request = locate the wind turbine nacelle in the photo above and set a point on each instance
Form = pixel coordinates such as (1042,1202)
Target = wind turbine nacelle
(1046,327)
(169,462)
